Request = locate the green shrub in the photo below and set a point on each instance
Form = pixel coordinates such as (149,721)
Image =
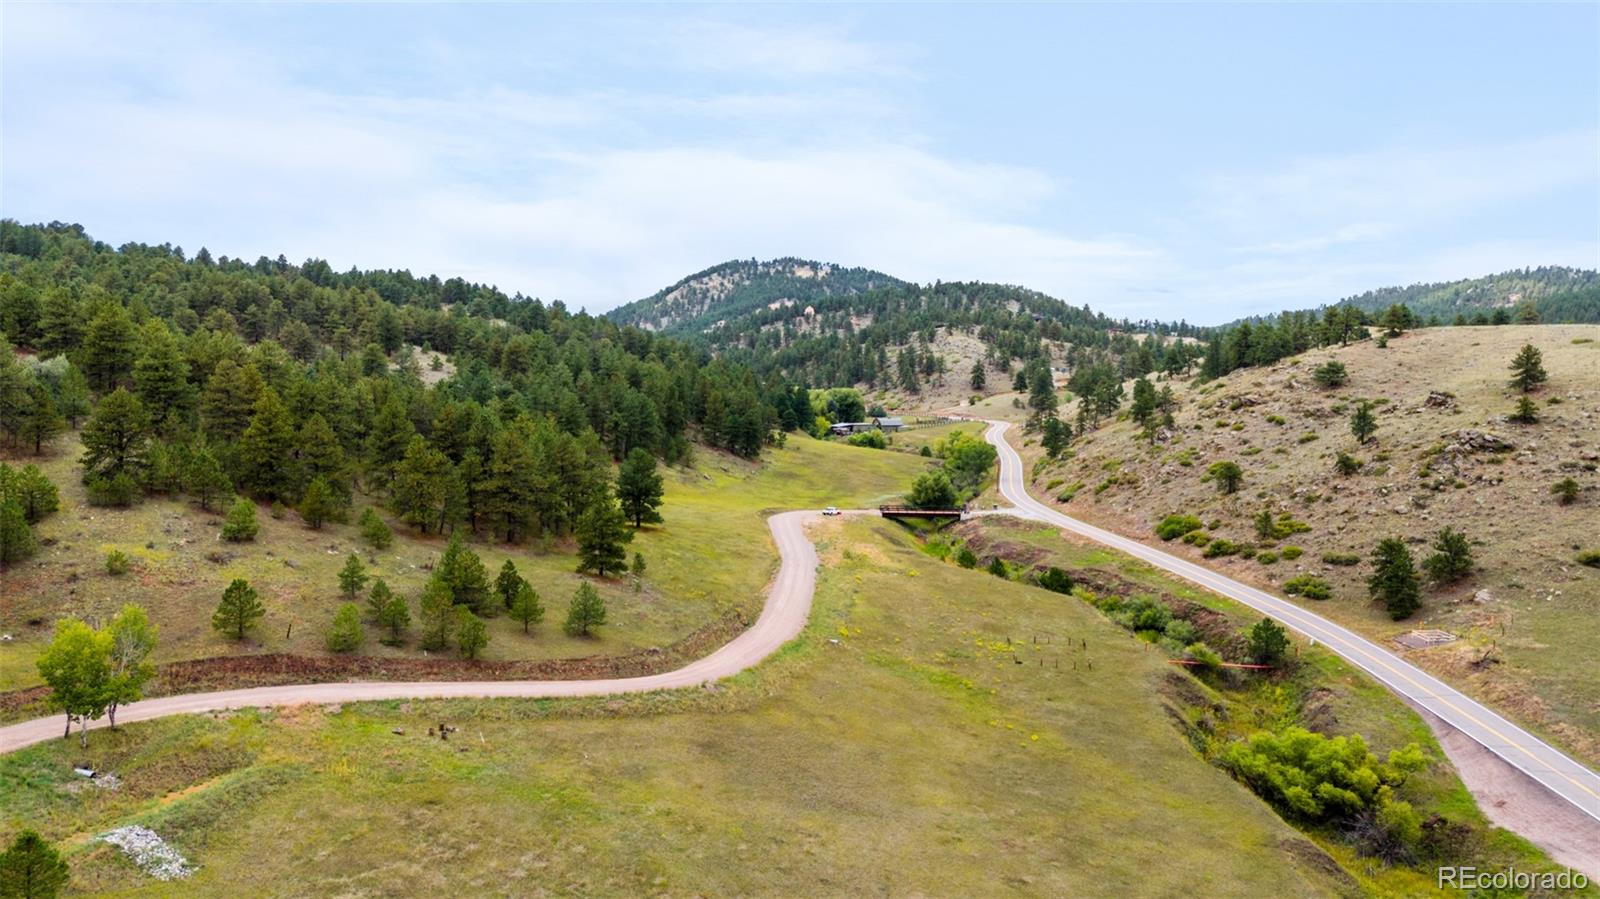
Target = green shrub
(966,559)
(240,525)
(1317,778)
(1307,437)
(1277,419)
(1174,526)
(1267,557)
(117,563)
(1071,491)
(1291,553)
(1056,580)
(1344,559)
(1308,585)
(1197,538)
(873,439)
(1590,558)
(1220,547)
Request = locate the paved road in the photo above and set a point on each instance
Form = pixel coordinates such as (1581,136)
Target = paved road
(1522,750)
(782,618)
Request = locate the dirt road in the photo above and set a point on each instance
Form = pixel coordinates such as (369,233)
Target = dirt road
(782,618)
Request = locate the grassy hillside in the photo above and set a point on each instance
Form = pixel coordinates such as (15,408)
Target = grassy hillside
(1559,294)
(1519,615)
(896,747)
(708,559)
(741,287)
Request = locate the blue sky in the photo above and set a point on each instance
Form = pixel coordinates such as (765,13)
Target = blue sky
(1173,161)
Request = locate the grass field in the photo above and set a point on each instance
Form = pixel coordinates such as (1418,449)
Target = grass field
(711,555)
(914,741)
(1519,646)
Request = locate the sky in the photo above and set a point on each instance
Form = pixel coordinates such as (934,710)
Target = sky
(1176,161)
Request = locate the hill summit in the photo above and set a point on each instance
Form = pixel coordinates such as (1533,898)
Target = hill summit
(733,289)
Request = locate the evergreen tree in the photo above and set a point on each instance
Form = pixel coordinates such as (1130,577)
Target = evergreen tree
(1057,435)
(979,378)
(229,401)
(16,536)
(507,583)
(266,450)
(997,567)
(1526,413)
(1394,579)
(1042,401)
(425,491)
(602,533)
(1143,409)
(204,478)
(239,610)
(72,396)
(318,451)
(39,421)
(389,441)
(586,611)
(462,574)
(1331,374)
(525,606)
(240,524)
(966,558)
(638,567)
(1452,557)
(512,484)
(161,378)
(109,347)
(32,491)
(115,439)
(1227,475)
(1268,642)
(1527,369)
(353,576)
(374,530)
(378,599)
(318,504)
(345,634)
(1363,424)
(639,488)
(396,617)
(472,635)
(31,869)
(437,614)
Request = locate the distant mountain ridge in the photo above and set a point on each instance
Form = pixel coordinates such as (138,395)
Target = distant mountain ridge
(743,286)
(1559,293)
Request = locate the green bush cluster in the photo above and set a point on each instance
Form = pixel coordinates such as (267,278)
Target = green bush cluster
(873,439)
(1291,552)
(1590,558)
(1221,547)
(1308,585)
(1343,559)
(1197,538)
(1174,526)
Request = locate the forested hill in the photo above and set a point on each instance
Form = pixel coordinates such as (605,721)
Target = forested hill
(901,336)
(733,289)
(295,384)
(1557,293)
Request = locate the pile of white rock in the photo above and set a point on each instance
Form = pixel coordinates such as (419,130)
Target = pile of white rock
(151,853)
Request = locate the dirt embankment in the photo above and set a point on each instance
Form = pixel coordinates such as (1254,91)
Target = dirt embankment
(276,669)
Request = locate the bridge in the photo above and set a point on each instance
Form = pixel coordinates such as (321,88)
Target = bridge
(913,512)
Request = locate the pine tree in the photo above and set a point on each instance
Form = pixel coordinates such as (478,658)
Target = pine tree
(1331,374)
(204,478)
(229,401)
(266,450)
(472,635)
(586,612)
(72,396)
(639,488)
(1394,579)
(378,599)
(525,606)
(1268,642)
(345,634)
(33,491)
(1527,413)
(1363,423)
(320,456)
(374,530)
(239,610)
(396,617)
(1527,369)
(507,583)
(979,378)
(39,421)
(240,524)
(425,491)
(389,441)
(602,534)
(1057,435)
(353,576)
(161,378)
(16,536)
(1143,409)
(1228,476)
(511,484)
(462,574)
(318,504)
(109,348)
(1452,557)
(437,614)
(115,438)
(31,868)
(1566,491)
